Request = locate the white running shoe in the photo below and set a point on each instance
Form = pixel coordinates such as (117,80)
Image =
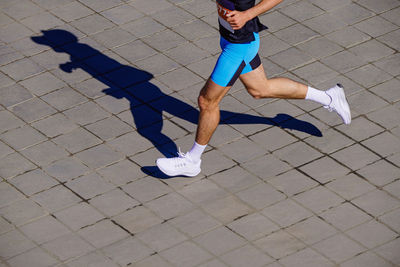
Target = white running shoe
(181,165)
(339,103)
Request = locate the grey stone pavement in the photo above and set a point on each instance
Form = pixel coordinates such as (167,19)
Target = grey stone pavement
(286,184)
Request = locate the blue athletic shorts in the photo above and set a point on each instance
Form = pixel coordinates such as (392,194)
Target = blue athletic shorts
(235,59)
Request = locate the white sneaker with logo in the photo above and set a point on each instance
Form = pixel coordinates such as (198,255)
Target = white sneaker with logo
(339,103)
(181,165)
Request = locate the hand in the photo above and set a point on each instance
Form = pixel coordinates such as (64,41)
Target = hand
(237,19)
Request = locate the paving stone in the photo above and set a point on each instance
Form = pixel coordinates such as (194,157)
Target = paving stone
(279,244)
(350,186)
(292,182)
(44,153)
(253,226)
(318,199)
(286,213)
(33,182)
(146,189)
(121,173)
(101,4)
(92,24)
(368,76)
(137,219)
(352,13)
(348,36)
(21,69)
(339,248)
(9,121)
(22,10)
(385,5)
(56,198)
(315,72)
(186,53)
(174,79)
(234,179)
(366,259)
(113,202)
(33,109)
(345,216)
(170,206)
(121,14)
(186,254)
(386,90)
(266,167)
(291,153)
(220,240)
(35,257)
(380,173)
(324,23)
(361,129)
(13,94)
(66,169)
(95,258)
(77,140)
(227,209)
(13,32)
(8,194)
(127,251)
(64,98)
(324,170)
(371,234)
(376,202)
(150,7)
(44,20)
(154,261)
(371,50)
(68,246)
(5,150)
(14,164)
(22,137)
(391,219)
(14,243)
(99,156)
(301,11)
(273,138)
(173,16)
(216,162)
(389,251)
(195,223)
(161,236)
(79,216)
(391,15)
(388,117)
(384,144)
(260,195)
(305,257)
(22,211)
(203,192)
(71,11)
(86,113)
(291,58)
(44,230)
(103,233)
(89,185)
(236,151)
(42,83)
(311,230)
(355,157)
(246,256)
(213,263)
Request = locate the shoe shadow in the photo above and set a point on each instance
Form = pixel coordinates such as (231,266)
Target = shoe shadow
(147,101)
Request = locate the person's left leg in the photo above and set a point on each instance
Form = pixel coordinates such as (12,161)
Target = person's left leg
(259,86)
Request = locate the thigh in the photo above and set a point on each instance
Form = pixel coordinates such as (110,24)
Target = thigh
(254,79)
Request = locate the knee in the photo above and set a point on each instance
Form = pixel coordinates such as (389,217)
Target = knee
(206,103)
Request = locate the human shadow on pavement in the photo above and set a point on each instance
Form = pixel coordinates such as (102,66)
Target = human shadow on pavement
(147,101)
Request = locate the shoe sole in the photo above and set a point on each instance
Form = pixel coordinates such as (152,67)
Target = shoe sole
(189,174)
(344,104)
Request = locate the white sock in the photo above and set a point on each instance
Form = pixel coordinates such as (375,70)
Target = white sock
(318,96)
(196,151)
